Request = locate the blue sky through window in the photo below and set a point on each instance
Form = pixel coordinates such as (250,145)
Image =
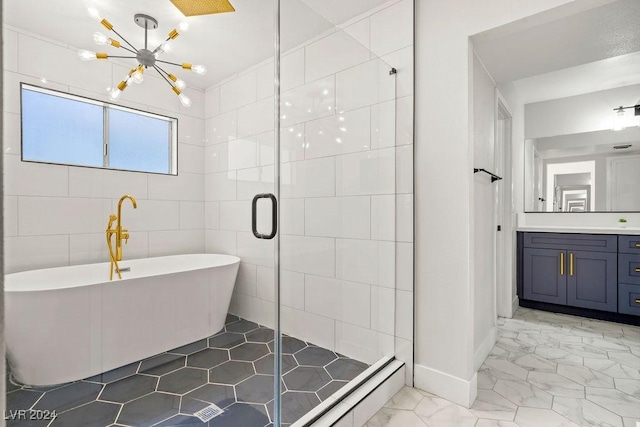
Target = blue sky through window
(138,142)
(60,129)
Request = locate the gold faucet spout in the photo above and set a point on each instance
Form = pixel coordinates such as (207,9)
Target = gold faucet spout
(122,234)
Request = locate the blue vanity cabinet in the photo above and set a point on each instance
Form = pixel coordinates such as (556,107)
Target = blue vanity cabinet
(592,280)
(576,270)
(629,275)
(544,277)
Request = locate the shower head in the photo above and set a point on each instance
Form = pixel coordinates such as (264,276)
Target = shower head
(202,7)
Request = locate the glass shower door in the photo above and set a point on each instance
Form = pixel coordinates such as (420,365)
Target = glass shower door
(337,195)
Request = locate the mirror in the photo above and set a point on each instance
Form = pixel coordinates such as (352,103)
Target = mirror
(596,171)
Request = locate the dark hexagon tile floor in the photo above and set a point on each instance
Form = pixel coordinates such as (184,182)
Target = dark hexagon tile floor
(315,356)
(265,365)
(306,378)
(249,351)
(232,369)
(231,372)
(129,388)
(227,340)
(264,335)
(96,414)
(207,358)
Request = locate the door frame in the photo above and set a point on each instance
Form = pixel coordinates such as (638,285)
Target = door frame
(612,178)
(505,242)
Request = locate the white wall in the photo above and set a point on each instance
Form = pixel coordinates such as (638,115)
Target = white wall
(444,186)
(56,215)
(577,114)
(484,211)
(348,266)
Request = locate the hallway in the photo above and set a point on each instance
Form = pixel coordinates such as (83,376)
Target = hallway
(547,370)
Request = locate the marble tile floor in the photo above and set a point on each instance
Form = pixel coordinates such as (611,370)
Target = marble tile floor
(232,369)
(546,370)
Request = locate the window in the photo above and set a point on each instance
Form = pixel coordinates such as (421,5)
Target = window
(71,130)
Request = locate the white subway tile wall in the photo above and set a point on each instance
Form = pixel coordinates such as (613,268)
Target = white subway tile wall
(56,215)
(347,183)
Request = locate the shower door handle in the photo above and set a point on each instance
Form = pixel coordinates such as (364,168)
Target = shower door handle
(274,216)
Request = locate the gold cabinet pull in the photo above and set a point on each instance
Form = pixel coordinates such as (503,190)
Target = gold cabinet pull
(571,264)
(562,263)
(637,270)
(637,300)
(637,244)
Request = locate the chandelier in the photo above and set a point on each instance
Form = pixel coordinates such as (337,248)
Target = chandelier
(145,57)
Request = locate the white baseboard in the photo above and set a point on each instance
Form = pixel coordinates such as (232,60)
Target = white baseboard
(514,305)
(485,348)
(455,389)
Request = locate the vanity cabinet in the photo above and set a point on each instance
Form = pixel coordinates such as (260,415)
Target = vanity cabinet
(629,275)
(544,278)
(577,270)
(592,282)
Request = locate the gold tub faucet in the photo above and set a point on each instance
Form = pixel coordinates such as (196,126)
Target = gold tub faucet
(120,235)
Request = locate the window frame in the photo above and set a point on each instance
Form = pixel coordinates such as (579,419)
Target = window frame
(106,107)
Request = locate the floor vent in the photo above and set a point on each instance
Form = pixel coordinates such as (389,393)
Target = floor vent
(208,413)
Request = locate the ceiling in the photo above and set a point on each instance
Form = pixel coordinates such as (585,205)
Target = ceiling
(225,43)
(595,34)
(595,76)
(589,143)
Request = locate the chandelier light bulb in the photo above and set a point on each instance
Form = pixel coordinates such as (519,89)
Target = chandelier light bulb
(93,12)
(184,100)
(115,94)
(183,26)
(87,55)
(199,69)
(180,84)
(165,47)
(100,39)
(137,77)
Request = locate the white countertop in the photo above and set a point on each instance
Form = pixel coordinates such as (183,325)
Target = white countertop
(569,229)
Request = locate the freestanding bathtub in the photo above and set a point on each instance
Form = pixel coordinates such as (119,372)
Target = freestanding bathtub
(68,323)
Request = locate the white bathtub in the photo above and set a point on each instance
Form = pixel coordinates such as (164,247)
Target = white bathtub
(68,323)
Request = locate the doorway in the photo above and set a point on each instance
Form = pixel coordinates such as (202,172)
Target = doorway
(506,237)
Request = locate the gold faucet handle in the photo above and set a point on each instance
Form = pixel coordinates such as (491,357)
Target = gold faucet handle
(124,235)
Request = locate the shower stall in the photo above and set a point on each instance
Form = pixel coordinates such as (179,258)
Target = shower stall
(307,176)
(306,192)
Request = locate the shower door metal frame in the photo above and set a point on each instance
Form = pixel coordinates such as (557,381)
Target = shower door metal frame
(277,343)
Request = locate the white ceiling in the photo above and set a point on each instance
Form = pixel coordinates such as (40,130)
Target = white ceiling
(225,43)
(588,143)
(595,76)
(598,33)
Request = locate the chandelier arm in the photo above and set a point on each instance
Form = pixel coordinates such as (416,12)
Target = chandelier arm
(170,63)
(161,71)
(127,49)
(160,45)
(123,39)
(119,56)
